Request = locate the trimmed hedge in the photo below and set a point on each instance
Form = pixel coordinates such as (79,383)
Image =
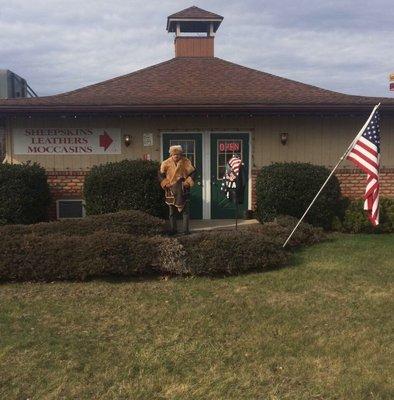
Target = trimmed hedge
(24,194)
(288,189)
(279,230)
(220,253)
(58,257)
(124,185)
(356,220)
(128,222)
(118,244)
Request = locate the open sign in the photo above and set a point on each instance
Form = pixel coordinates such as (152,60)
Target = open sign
(229,146)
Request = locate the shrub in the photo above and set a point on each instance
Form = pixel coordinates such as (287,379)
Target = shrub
(356,220)
(279,230)
(288,189)
(124,185)
(58,257)
(220,253)
(129,222)
(24,194)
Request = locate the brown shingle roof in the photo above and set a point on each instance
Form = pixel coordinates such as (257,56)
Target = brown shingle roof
(184,84)
(195,13)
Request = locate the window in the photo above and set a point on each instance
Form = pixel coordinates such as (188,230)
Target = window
(73,208)
(227,148)
(188,147)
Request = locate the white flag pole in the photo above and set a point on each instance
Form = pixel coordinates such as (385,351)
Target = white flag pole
(332,172)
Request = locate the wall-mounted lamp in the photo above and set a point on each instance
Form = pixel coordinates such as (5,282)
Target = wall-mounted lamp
(127,140)
(283,138)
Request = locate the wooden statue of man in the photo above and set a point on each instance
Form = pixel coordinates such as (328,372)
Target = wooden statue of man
(176,177)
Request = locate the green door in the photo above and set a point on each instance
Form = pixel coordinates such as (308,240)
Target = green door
(192,146)
(223,147)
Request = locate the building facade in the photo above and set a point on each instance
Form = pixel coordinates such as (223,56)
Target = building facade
(212,107)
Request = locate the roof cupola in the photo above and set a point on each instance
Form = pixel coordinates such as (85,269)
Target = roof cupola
(194,30)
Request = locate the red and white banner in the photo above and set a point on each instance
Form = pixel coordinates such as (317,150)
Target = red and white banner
(66,141)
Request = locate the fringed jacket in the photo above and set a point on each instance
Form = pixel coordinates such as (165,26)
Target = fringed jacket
(173,177)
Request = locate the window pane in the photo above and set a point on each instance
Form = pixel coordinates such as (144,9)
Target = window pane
(70,209)
(226,149)
(190,146)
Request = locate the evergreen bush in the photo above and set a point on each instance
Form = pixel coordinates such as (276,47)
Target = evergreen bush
(30,257)
(220,253)
(288,189)
(24,194)
(124,185)
(132,222)
(356,221)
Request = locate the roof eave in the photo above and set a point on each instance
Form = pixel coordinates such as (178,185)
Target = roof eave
(12,109)
(170,29)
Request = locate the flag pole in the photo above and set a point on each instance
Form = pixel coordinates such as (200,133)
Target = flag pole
(236,216)
(332,172)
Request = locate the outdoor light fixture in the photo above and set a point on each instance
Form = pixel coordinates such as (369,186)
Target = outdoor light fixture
(283,138)
(127,140)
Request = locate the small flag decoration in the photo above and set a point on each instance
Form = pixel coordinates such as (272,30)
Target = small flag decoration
(229,178)
(234,180)
(365,154)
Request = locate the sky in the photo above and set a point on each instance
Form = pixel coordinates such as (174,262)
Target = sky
(61,45)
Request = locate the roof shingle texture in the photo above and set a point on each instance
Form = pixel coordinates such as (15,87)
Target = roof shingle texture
(196,81)
(195,13)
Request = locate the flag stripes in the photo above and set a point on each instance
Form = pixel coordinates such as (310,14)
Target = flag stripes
(365,154)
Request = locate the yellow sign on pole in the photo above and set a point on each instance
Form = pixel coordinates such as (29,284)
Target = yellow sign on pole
(391,77)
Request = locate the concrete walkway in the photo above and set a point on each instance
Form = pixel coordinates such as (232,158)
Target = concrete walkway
(197,225)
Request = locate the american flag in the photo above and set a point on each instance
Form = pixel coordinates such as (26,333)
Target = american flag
(365,154)
(234,163)
(231,174)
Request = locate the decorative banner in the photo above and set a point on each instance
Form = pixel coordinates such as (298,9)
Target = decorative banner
(66,141)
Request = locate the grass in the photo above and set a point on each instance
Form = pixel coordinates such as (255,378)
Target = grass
(319,329)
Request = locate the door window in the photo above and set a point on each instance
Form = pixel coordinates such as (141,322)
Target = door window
(188,146)
(227,148)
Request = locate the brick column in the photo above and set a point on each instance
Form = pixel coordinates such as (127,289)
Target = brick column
(254,174)
(65,185)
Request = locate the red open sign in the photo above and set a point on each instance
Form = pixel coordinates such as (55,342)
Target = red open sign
(229,146)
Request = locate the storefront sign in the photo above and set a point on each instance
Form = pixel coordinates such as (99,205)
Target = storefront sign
(147,139)
(229,146)
(66,141)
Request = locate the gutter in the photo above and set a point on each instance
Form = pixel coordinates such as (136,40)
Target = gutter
(201,108)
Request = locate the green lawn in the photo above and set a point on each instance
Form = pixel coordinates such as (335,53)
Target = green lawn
(322,328)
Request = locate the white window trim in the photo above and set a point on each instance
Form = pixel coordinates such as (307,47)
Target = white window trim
(80,200)
(206,161)
(240,132)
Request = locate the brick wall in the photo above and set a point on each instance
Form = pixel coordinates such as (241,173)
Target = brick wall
(65,185)
(255,172)
(352,183)
(69,184)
